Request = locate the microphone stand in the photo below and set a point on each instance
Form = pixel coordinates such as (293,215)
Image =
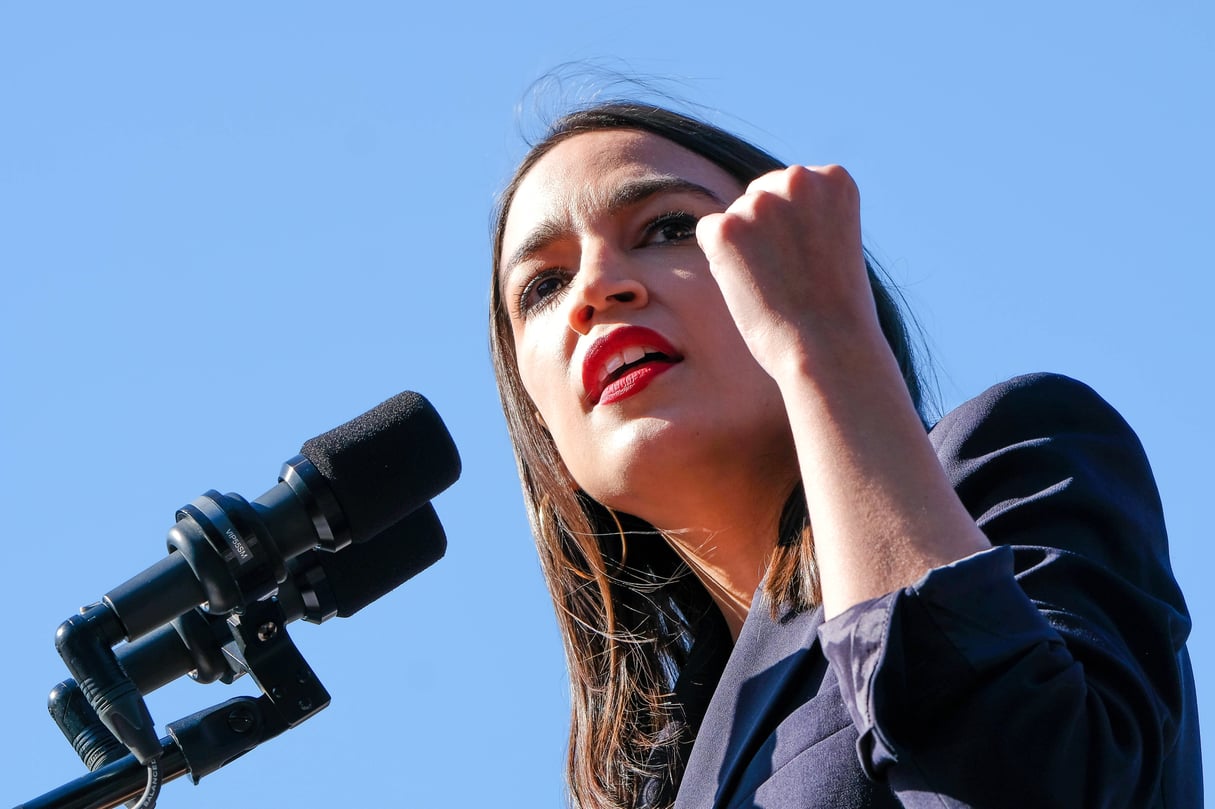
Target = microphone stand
(206,741)
(197,745)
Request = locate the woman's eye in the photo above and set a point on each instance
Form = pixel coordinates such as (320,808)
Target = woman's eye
(672,227)
(543,289)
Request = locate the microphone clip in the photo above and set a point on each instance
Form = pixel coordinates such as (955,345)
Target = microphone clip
(267,652)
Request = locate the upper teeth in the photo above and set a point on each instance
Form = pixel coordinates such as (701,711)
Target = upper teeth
(628,355)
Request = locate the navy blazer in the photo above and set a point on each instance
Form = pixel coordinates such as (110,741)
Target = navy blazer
(1049,671)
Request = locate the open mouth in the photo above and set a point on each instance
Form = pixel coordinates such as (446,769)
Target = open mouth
(623,362)
(630,358)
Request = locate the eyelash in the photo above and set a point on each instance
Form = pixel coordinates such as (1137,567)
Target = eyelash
(680,218)
(527,309)
(676,218)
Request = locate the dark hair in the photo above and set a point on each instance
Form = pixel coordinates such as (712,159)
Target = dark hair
(628,611)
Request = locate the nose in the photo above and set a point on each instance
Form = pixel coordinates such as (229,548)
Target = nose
(604,281)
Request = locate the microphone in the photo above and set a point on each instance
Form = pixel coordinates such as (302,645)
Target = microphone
(346,486)
(320,586)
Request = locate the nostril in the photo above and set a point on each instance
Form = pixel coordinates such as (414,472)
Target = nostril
(625,297)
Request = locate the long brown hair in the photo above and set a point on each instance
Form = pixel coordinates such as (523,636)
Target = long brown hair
(626,605)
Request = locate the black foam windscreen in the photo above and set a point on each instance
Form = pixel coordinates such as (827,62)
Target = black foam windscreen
(386,463)
(363,572)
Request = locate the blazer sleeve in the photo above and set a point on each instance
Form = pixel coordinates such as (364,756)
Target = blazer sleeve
(1049,671)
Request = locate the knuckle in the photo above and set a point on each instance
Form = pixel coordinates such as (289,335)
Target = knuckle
(840,178)
(801,179)
(730,226)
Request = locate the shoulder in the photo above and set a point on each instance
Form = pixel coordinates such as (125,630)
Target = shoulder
(1051,423)
(1027,405)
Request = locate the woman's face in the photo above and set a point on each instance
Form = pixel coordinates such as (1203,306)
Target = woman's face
(624,342)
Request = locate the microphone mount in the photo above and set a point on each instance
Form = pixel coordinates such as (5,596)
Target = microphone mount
(202,743)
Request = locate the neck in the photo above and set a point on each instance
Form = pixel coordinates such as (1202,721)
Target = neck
(731,559)
(719,508)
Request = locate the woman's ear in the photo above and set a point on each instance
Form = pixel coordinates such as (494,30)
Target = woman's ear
(540,420)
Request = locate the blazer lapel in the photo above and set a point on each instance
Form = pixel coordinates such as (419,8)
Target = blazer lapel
(769,658)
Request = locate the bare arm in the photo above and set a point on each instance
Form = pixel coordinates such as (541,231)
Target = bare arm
(787,256)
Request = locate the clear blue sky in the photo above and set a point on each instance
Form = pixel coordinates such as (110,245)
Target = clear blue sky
(227,228)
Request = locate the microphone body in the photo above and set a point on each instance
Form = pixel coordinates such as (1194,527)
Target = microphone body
(320,586)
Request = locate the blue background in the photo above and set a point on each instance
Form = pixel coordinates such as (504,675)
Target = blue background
(227,228)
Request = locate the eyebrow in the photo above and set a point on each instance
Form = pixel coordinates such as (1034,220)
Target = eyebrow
(622,196)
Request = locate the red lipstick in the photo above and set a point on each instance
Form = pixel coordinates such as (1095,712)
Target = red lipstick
(623,362)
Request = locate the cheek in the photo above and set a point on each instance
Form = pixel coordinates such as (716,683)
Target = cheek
(543,391)
(544,372)
(541,370)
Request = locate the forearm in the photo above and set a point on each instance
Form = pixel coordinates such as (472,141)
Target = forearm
(882,510)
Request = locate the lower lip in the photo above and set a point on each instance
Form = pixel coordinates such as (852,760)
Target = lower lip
(634,382)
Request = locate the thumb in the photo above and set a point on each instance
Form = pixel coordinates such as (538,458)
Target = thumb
(708,235)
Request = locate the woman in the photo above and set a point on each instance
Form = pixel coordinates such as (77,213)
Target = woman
(776,588)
